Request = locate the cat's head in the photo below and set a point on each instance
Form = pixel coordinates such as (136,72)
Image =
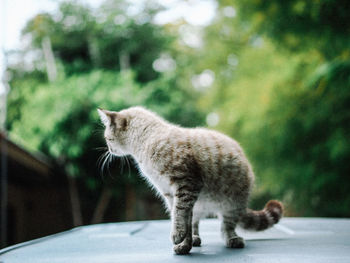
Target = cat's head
(116,128)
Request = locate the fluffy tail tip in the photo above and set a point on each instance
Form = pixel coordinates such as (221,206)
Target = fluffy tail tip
(263,219)
(275,209)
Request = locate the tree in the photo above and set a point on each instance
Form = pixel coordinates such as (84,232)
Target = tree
(300,25)
(109,38)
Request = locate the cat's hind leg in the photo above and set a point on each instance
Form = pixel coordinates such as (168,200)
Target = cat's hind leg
(196,240)
(228,225)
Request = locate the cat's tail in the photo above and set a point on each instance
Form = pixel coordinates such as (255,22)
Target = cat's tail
(263,219)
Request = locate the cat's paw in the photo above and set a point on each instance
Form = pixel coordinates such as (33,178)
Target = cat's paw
(235,242)
(178,236)
(182,248)
(196,241)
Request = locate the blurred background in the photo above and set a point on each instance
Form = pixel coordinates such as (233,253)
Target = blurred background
(274,75)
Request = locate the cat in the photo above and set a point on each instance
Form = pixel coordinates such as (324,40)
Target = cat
(195,170)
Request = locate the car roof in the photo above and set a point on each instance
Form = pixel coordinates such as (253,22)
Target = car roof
(292,240)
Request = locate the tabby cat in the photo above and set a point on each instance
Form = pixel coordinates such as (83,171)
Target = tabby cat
(195,170)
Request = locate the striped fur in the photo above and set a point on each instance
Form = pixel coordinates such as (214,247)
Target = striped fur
(195,171)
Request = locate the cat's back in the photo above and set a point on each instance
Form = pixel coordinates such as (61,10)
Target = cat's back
(213,151)
(213,144)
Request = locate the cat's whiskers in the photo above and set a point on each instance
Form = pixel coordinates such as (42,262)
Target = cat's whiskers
(128,163)
(107,158)
(104,162)
(100,159)
(108,163)
(126,159)
(101,148)
(122,161)
(111,159)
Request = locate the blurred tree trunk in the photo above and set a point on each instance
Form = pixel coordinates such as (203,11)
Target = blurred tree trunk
(124,61)
(75,202)
(102,204)
(49,59)
(130,203)
(94,52)
(3,192)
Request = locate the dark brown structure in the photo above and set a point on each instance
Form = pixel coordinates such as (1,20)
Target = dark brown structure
(36,198)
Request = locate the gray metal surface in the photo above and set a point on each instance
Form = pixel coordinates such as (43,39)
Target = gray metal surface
(292,240)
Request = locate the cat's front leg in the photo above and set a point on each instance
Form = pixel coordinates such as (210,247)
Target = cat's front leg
(184,201)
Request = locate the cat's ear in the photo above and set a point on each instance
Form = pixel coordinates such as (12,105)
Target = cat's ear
(112,118)
(107,117)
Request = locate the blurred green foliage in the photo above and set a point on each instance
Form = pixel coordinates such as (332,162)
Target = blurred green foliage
(282,89)
(300,24)
(283,92)
(311,147)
